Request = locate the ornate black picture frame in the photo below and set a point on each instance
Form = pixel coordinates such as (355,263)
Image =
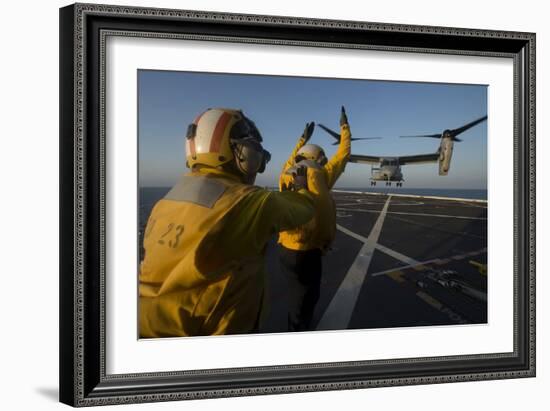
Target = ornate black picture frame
(83,30)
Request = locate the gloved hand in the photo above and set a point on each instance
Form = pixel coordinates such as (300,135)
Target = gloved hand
(300,178)
(308,132)
(343,117)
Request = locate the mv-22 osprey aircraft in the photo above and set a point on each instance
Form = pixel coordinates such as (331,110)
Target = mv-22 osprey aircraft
(389,168)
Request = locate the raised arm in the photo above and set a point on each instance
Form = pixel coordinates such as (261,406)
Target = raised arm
(288,210)
(337,163)
(304,138)
(261,215)
(247,229)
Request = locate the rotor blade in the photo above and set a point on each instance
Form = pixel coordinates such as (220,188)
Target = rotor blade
(457,139)
(462,129)
(359,138)
(424,135)
(337,136)
(331,132)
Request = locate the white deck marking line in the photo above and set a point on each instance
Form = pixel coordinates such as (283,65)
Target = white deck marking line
(351,233)
(473,205)
(392,253)
(339,311)
(361,210)
(426,262)
(397,255)
(402,267)
(394,203)
(371,193)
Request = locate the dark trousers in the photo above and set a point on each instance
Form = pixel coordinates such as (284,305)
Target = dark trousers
(303,271)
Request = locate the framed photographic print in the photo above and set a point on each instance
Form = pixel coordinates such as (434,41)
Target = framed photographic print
(261,204)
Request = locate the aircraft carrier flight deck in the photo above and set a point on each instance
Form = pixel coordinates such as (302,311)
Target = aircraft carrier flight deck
(397,261)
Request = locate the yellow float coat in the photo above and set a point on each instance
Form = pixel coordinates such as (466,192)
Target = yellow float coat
(203,272)
(320,231)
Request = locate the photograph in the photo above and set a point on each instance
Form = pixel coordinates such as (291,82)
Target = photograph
(281,204)
(256,204)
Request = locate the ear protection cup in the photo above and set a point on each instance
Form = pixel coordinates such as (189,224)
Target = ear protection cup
(265,159)
(250,157)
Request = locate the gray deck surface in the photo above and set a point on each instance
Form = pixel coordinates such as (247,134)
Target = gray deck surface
(384,266)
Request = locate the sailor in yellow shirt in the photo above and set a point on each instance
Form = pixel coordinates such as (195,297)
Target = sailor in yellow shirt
(302,248)
(203,272)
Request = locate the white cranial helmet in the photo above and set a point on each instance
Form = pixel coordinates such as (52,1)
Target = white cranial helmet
(312,152)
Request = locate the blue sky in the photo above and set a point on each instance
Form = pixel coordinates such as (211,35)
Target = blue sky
(281,106)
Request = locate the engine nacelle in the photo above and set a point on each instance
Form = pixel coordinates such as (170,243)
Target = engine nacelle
(445,155)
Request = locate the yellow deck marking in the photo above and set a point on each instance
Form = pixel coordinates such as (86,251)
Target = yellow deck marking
(430,300)
(397,276)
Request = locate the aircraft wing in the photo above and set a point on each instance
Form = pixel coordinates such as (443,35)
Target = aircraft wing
(419,158)
(361,159)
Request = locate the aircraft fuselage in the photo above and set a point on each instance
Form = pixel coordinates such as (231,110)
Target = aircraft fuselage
(387,172)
